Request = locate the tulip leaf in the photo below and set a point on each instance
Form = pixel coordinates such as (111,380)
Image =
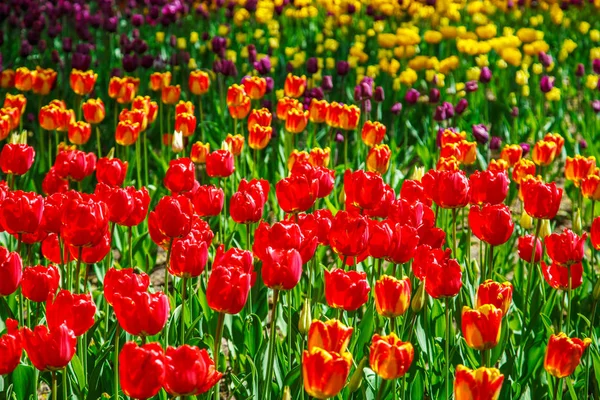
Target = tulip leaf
(253,335)
(23,377)
(77,369)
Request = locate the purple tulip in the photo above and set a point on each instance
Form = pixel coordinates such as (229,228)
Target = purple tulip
(526,147)
(137,20)
(471,86)
(440,113)
(495,143)
(546,83)
(366,88)
(342,68)
(481,134)
(81,61)
(545,59)
(357,93)
(514,112)
(263,66)
(327,83)
(582,144)
(367,104)
(147,61)
(339,137)
(434,95)
(580,71)
(110,24)
(596,65)
(312,65)
(251,53)
(596,106)
(379,94)
(270,84)
(485,75)
(67,44)
(130,62)
(461,106)
(412,96)
(396,108)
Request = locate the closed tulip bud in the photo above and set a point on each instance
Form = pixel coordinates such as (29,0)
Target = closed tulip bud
(525,248)
(287,395)
(577,221)
(491,223)
(563,354)
(180,175)
(305,317)
(357,377)
(141,369)
(11,271)
(392,296)
(545,229)
(208,200)
(111,171)
(418,302)
(596,291)
(482,383)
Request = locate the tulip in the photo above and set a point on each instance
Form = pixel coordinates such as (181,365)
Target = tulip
(544,153)
(158,80)
(49,349)
(496,294)
(188,257)
(82,83)
(541,200)
(349,117)
(297,157)
(170,94)
(595,233)
(7,79)
(17,101)
(39,282)
(220,164)
(565,248)
(236,95)
(378,159)
(93,111)
(141,370)
(235,144)
(346,290)
(255,87)
(392,296)
(488,187)
(590,187)
(296,120)
(74,164)
(11,348)
(481,327)
(127,133)
(126,207)
(481,384)
(317,111)
(389,357)
(561,277)
(141,313)
(111,171)
(172,218)
(11,271)
(5,126)
(363,189)
(79,132)
(492,224)
(208,201)
(578,168)
(325,373)
(84,221)
(21,212)
(180,176)
(522,169)
(49,117)
(198,82)
(185,123)
(282,268)
(259,136)
(563,354)
(230,280)
(447,189)
(123,282)
(297,193)
(16,159)
(76,311)
(201,373)
(443,277)
(247,204)
(332,336)
(319,157)
(260,117)
(349,234)
(512,154)
(525,248)
(199,152)
(294,86)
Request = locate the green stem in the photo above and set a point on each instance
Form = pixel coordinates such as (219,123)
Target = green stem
(78,271)
(588,353)
(249,248)
(447,350)
(168,265)
(116,363)
(289,333)
(217,350)
(381,389)
(138,162)
(98,142)
(183,298)
(64,383)
(129,235)
(54,391)
(454,244)
(201,118)
(271,359)
(570,300)
(490,268)
(532,264)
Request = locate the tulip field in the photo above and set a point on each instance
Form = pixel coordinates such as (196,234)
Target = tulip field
(299,199)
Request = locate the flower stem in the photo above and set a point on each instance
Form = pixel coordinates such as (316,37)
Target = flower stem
(271,359)
(454,244)
(115,363)
(569,299)
(532,264)
(183,296)
(588,355)
(448,348)
(54,391)
(490,268)
(129,234)
(217,349)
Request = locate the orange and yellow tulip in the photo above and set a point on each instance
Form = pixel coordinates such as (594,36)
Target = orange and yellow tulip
(185,123)
(511,153)
(236,95)
(259,136)
(579,167)
(284,105)
(23,79)
(17,101)
(349,117)
(7,79)
(389,357)
(255,87)
(127,133)
(294,86)
(563,354)
(199,152)
(184,107)
(199,82)
(317,111)
(94,111)
(241,110)
(481,327)
(79,132)
(319,157)
(373,133)
(43,80)
(82,82)
(331,335)
(481,384)
(544,152)
(498,294)
(521,169)
(392,296)
(158,80)
(325,373)
(296,121)
(262,117)
(590,187)
(378,158)
(170,94)
(49,117)
(235,143)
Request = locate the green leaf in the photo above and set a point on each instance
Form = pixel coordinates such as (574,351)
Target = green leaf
(77,369)
(23,377)
(253,336)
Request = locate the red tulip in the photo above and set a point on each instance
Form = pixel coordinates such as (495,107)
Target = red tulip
(595,233)
(565,248)
(492,224)
(94,253)
(318,224)
(281,269)
(52,183)
(525,248)
(74,164)
(220,164)
(403,244)
(557,275)
(76,311)
(382,209)
(563,354)
(53,210)
(349,234)
(200,371)
(297,193)
(11,348)
(141,313)
(188,258)
(284,235)
(541,200)
(49,349)
(415,214)
(248,202)
(346,290)
(488,187)
(208,200)
(11,271)
(325,177)
(172,218)
(39,282)
(141,370)
(363,189)
(21,212)
(126,207)
(481,327)
(84,220)
(123,282)
(111,171)
(16,159)
(443,275)
(447,189)
(412,191)
(230,280)
(180,176)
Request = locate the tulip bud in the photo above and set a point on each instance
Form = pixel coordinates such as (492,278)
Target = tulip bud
(419,300)
(287,395)
(526,221)
(545,229)
(177,143)
(418,174)
(577,222)
(305,317)
(596,292)
(475,266)
(357,376)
